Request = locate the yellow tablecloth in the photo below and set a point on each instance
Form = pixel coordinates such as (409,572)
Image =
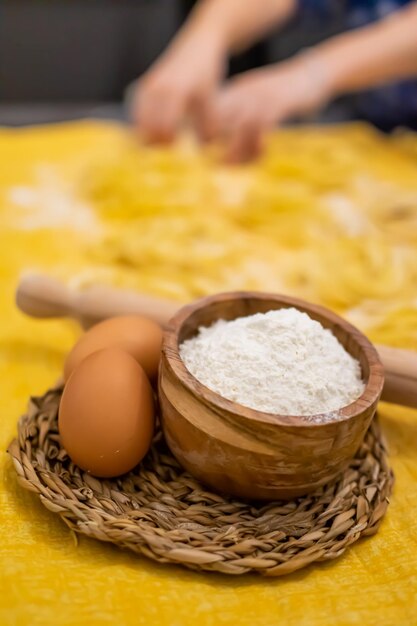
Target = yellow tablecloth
(328,214)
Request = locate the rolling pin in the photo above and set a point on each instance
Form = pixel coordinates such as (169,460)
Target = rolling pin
(44,297)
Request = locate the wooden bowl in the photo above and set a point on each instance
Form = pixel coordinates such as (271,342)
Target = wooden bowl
(248,453)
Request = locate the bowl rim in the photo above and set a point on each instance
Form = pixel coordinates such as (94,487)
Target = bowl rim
(170,350)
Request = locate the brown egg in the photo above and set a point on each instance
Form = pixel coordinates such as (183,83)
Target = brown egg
(106,414)
(139,336)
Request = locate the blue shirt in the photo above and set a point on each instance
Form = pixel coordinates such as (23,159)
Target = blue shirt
(386,106)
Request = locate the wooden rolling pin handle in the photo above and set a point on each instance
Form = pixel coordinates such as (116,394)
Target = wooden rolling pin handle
(400,367)
(98,303)
(41,296)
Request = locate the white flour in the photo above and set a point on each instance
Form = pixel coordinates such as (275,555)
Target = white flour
(278,362)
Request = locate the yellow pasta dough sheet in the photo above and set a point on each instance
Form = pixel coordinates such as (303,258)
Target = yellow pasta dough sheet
(328,214)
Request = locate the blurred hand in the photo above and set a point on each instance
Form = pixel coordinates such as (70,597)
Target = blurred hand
(249,105)
(176,88)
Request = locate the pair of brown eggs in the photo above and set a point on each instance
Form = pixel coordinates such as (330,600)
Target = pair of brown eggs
(107,409)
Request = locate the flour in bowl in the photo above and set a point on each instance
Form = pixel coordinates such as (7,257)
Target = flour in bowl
(279,362)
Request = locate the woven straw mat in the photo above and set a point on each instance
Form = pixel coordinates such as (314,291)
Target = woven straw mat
(160,511)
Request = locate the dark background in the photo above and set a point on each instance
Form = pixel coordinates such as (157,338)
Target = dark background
(62,59)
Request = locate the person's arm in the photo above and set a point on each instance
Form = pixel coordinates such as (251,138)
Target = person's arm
(238,22)
(370,56)
(258,100)
(182,80)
